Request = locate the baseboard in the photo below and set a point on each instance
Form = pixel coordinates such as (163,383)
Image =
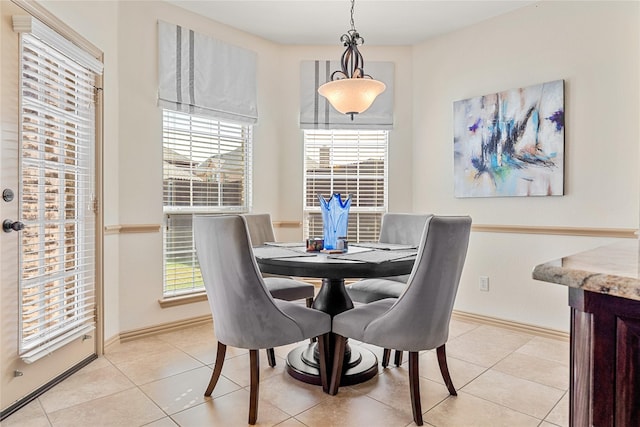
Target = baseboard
(514,326)
(163,327)
(458,315)
(111,341)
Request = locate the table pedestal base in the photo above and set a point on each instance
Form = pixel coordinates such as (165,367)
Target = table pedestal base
(360,365)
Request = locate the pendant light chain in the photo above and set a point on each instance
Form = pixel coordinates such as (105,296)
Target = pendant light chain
(353,25)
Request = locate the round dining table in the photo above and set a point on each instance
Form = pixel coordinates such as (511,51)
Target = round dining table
(360,363)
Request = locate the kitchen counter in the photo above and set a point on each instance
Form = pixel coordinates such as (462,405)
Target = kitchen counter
(611,270)
(604,296)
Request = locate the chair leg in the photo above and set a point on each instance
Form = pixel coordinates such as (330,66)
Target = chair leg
(414,387)
(254,362)
(386,355)
(338,361)
(444,370)
(398,358)
(271,357)
(323,348)
(217,369)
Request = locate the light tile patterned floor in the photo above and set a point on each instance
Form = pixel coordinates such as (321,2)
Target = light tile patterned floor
(504,378)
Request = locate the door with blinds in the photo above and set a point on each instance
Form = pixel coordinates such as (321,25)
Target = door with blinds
(48,209)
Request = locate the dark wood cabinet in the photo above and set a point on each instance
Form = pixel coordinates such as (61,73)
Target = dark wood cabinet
(605,360)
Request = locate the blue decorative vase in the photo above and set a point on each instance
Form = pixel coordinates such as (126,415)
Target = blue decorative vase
(335,217)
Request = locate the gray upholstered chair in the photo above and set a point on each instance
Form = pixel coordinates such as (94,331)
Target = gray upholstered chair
(397,228)
(419,318)
(261,231)
(245,315)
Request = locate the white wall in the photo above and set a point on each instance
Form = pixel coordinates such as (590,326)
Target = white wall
(140,161)
(594,47)
(277,170)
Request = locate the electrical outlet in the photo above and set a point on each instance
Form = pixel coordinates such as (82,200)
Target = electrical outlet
(484,284)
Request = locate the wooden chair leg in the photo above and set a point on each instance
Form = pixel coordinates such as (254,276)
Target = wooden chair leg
(323,349)
(271,357)
(398,358)
(386,355)
(414,387)
(254,362)
(217,369)
(444,370)
(338,361)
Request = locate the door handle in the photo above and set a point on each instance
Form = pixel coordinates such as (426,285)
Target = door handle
(8,226)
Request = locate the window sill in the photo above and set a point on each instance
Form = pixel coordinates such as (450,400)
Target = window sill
(182,299)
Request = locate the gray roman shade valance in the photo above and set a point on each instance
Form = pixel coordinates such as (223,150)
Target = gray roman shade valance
(317,113)
(201,75)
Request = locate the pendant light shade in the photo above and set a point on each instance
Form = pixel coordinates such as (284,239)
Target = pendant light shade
(350,90)
(352,95)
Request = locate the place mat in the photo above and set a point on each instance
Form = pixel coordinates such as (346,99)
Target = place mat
(384,246)
(376,257)
(286,244)
(278,252)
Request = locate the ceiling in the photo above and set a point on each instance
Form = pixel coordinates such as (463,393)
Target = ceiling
(380,22)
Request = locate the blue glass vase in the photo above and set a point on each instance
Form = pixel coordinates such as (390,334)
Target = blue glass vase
(335,217)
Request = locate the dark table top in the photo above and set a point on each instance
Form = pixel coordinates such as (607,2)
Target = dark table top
(358,262)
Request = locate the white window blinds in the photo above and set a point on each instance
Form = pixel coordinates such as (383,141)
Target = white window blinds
(57,247)
(317,113)
(201,75)
(206,169)
(346,162)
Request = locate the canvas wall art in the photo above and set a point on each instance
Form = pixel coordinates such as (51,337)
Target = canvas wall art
(510,143)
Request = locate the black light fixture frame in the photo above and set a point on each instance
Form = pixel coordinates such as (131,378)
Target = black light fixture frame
(351,62)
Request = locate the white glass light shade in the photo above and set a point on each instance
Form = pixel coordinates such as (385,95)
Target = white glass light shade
(352,96)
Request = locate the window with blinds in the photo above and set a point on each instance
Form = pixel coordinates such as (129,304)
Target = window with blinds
(206,169)
(346,162)
(57,246)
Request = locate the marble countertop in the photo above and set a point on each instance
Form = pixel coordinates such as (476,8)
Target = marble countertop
(611,269)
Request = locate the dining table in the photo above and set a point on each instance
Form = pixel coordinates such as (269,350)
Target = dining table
(365,260)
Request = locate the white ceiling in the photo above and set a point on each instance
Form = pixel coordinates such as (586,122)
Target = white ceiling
(380,22)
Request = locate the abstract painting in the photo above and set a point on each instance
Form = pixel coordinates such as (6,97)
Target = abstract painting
(510,143)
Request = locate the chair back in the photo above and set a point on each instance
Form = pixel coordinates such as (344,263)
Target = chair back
(419,319)
(260,228)
(402,228)
(244,313)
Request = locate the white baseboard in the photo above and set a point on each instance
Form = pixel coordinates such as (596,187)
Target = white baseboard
(514,326)
(458,315)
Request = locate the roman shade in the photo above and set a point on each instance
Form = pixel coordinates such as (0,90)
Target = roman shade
(317,113)
(201,75)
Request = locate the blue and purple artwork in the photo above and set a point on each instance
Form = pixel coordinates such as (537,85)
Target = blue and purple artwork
(510,143)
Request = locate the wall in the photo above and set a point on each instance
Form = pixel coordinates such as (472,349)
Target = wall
(551,40)
(140,160)
(594,47)
(277,166)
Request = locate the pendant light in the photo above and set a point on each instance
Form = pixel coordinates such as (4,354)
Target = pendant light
(350,90)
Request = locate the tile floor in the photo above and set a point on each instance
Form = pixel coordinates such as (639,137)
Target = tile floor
(504,378)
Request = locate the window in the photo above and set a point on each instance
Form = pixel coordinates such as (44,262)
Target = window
(206,169)
(57,245)
(346,162)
